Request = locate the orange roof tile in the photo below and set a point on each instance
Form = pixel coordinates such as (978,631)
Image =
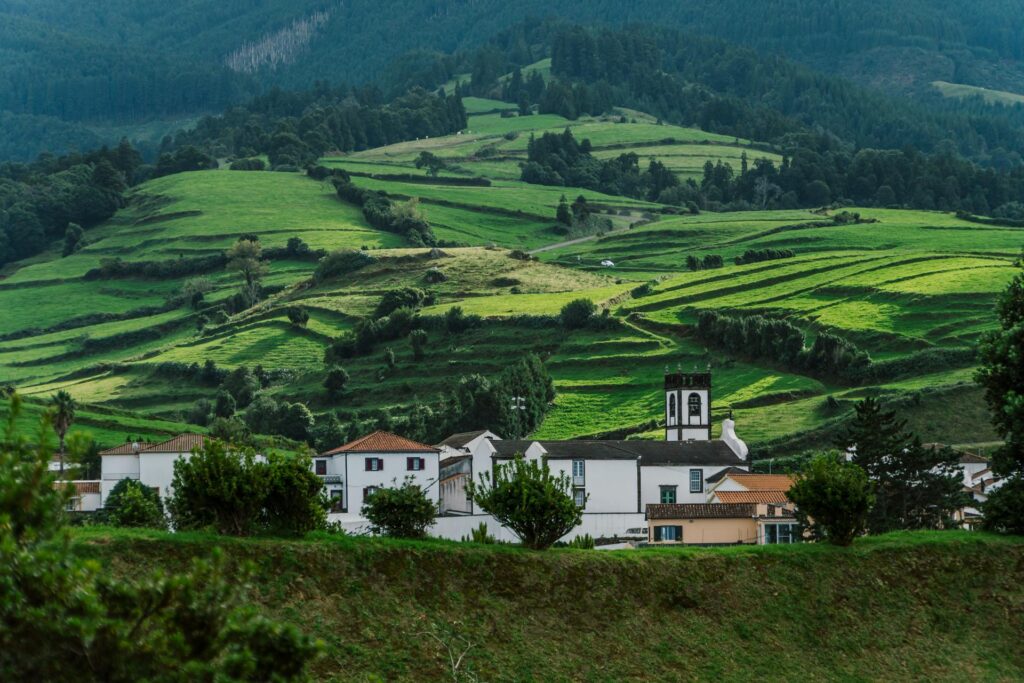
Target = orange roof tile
(383,442)
(762,482)
(182,443)
(126,448)
(750,496)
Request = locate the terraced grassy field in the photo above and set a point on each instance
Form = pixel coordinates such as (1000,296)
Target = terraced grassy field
(898,284)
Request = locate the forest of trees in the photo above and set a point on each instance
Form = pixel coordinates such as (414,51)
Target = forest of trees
(59,198)
(840,142)
(559,159)
(69,66)
(295,128)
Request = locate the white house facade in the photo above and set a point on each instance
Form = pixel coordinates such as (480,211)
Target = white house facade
(353,471)
(151,464)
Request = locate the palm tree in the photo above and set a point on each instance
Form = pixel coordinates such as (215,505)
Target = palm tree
(63,414)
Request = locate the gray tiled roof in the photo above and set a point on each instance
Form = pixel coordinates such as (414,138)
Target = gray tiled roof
(650,453)
(461,439)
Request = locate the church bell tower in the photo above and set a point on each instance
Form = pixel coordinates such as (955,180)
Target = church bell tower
(688,406)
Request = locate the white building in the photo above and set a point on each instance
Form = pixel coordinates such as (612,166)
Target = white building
(353,471)
(614,481)
(85,495)
(463,457)
(152,464)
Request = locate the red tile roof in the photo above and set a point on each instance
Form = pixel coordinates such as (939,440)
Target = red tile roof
(750,496)
(383,442)
(182,443)
(126,448)
(762,482)
(699,511)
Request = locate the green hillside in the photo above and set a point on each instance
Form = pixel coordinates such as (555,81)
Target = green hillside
(912,289)
(918,606)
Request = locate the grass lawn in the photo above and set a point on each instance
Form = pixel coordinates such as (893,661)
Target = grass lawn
(896,607)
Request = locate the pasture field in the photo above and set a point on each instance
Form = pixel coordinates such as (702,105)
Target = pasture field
(961,91)
(897,284)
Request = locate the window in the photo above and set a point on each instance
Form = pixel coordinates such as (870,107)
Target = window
(781,533)
(336,500)
(578,472)
(415,464)
(694,402)
(374,464)
(672,409)
(668,533)
(668,494)
(321,467)
(368,491)
(696,481)
(579,496)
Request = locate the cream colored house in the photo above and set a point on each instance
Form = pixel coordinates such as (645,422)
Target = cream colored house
(720,524)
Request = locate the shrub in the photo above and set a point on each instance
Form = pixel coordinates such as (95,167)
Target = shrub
(335,381)
(833,498)
(242,384)
(406,297)
(225,404)
(1004,509)
(456,321)
(132,504)
(434,275)
(480,534)
(576,314)
(402,511)
(298,316)
(418,342)
(641,290)
(341,262)
(238,495)
(253,164)
(528,499)
(757,255)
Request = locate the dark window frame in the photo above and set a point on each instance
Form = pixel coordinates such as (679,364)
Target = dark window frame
(699,480)
(674,490)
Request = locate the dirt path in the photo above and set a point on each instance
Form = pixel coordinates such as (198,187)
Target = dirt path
(578,240)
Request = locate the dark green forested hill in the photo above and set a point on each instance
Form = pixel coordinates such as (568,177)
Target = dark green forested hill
(121,61)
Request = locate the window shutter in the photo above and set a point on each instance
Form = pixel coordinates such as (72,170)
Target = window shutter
(368,463)
(423,463)
(679,534)
(409,464)
(657,533)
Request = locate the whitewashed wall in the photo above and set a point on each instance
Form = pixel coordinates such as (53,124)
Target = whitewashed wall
(394,473)
(611,484)
(114,469)
(157,470)
(653,477)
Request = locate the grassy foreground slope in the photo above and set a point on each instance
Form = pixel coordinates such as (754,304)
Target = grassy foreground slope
(940,606)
